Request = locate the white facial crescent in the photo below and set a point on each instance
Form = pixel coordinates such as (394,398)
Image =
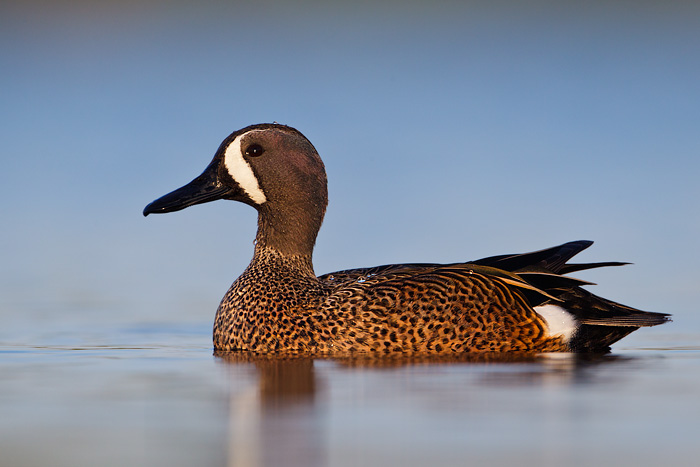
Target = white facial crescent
(241,172)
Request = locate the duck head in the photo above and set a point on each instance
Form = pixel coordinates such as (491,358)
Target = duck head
(271,167)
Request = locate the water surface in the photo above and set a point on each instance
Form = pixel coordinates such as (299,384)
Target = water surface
(156,395)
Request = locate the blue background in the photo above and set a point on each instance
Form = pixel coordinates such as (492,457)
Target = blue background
(450,131)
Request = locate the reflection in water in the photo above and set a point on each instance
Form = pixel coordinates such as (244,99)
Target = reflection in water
(555,369)
(277,420)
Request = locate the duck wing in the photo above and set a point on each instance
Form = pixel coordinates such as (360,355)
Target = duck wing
(537,277)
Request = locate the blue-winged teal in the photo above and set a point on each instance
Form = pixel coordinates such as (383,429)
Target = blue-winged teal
(503,303)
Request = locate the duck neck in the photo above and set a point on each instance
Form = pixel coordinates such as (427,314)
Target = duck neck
(290,233)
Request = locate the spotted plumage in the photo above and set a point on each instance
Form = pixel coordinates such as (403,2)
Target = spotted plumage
(507,303)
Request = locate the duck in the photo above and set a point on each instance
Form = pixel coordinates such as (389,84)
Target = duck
(513,303)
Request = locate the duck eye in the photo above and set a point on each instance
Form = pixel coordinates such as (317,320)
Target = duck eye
(254,150)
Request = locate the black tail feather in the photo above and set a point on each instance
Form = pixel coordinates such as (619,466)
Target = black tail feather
(573,267)
(550,259)
(602,322)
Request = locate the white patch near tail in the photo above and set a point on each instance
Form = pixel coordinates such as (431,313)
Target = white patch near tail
(559,321)
(241,172)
